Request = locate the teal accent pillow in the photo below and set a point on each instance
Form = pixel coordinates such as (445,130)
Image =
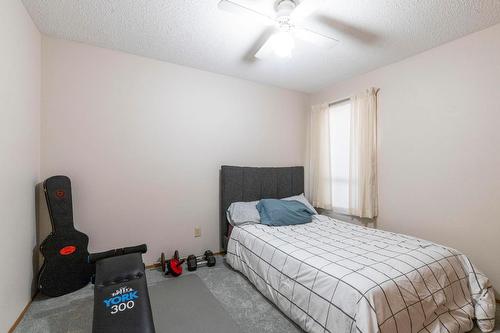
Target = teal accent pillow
(276,212)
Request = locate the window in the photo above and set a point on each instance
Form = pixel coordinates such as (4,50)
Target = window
(340,126)
(343,155)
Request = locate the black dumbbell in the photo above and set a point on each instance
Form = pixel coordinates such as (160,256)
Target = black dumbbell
(208,259)
(192,262)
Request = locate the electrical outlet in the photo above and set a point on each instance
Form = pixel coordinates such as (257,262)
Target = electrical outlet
(197,232)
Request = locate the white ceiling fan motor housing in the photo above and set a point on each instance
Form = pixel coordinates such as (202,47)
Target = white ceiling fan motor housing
(285,7)
(283,10)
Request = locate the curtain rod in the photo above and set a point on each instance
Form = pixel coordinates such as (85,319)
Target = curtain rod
(348,98)
(339,101)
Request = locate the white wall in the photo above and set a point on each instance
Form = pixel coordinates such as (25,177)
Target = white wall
(439,141)
(143,142)
(20,71)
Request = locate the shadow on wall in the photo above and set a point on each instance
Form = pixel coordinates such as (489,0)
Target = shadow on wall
(43,228)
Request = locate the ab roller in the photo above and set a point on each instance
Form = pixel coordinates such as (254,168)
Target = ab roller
(173,266)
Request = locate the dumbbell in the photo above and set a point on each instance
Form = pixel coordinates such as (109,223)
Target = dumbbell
(193,262)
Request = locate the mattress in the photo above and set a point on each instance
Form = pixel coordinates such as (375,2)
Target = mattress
(332,276)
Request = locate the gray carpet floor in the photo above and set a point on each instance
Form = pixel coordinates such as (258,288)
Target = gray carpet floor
(251,311)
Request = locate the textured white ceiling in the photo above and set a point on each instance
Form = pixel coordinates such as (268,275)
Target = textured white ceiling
(195,33)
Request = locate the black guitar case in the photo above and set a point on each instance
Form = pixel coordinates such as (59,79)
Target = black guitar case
(65,267)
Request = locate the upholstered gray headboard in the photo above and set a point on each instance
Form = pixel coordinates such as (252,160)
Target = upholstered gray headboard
(251,184)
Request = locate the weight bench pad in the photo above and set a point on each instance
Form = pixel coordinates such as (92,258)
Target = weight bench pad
(121,299)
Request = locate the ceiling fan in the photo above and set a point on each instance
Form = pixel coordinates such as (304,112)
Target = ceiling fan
(287,26)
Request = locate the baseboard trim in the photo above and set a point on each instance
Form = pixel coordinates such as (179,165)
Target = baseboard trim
(156,265)
(21,315)
(153,266)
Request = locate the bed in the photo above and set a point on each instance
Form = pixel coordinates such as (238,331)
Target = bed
(333,276)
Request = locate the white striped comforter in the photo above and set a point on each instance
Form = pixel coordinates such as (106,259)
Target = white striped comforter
(332,276)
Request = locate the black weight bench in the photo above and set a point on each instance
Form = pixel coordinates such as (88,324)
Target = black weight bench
(121,298)
(122,302)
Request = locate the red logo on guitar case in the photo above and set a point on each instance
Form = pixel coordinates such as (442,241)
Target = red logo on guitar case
(67,250)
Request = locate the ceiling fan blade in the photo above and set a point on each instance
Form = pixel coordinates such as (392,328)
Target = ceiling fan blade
(305,8)
(249,56)
(265,50)
(314,37)
(236,8)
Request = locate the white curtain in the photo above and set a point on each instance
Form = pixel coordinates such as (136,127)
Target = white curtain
(363,196)
(320,192)
(362,182)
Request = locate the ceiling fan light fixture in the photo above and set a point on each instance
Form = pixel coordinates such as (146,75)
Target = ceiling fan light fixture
(282,44)
(286,23)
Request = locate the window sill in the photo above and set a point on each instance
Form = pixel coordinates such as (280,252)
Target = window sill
(366,222)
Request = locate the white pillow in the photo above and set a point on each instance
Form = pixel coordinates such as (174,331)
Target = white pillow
(301,198)
(240,213)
